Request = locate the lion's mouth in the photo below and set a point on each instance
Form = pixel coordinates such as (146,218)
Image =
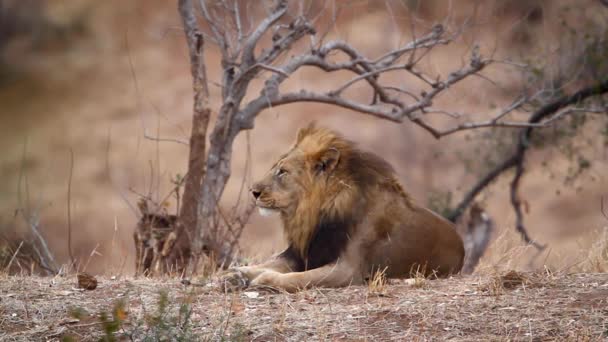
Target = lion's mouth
(265,208)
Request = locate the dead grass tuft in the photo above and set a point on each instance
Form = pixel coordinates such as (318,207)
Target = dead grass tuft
(597,257)
(499,283)
(512,279)
(377,285)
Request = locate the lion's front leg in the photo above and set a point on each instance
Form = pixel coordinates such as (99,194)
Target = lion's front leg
(338,274)
(251,272)
(238,278)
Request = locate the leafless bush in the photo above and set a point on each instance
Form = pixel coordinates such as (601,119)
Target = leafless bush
(25,253)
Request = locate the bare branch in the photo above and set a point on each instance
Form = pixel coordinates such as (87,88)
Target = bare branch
(389,107)
(515,105)
(516,203)
(480,185)
(403,91)
(248,58)
(45,257)
(219,36)
(282,43)
(251,71)
(489,123)
(517,158)
(261,103)
(429,40)
(367,75)
(177,141)
(239,27)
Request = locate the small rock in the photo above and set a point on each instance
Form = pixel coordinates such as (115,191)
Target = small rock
(251,294)
(87,281)
(410,281)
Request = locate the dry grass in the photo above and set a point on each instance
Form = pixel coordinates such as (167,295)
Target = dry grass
(583,253)
(531,306)
(378,283)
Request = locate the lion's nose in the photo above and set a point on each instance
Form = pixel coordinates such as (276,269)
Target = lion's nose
(256,193)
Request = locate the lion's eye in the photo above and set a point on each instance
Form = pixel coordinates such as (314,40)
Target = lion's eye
(280,172)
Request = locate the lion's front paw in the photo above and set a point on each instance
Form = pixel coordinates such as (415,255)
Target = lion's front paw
(268,278)
(233,280)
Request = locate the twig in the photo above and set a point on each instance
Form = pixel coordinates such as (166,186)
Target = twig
(237,19)
(485,181)
(72,261)
(50,265)
(366,75)
(604,211)
(177,141)
(10,263)
(516,203)
(250,43)
(93,252)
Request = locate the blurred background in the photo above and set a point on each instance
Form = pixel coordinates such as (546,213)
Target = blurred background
(98,79)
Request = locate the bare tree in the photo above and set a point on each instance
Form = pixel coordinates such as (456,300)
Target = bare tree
(285,40)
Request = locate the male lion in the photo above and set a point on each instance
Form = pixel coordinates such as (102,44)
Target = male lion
(346,216)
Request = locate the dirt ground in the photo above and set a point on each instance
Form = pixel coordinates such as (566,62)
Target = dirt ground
(128,77)
(507,307)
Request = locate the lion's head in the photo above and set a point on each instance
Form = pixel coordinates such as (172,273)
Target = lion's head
(323,176)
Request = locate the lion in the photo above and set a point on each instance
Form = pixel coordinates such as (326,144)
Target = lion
(346,216)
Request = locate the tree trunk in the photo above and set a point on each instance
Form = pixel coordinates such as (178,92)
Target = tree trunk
(187,223)
(206,240)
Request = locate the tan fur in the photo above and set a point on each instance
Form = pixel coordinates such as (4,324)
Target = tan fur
(325,181)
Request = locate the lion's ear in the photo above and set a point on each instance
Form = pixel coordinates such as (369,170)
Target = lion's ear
(305,131)
(328,160)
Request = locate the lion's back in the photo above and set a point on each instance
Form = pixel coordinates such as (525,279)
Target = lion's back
(407,238)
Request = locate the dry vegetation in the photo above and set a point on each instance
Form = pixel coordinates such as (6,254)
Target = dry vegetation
(510,306)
